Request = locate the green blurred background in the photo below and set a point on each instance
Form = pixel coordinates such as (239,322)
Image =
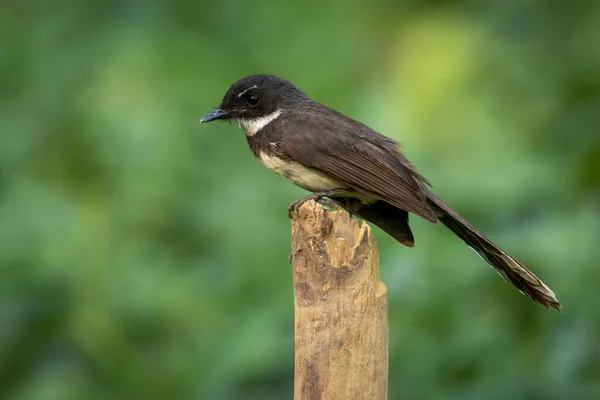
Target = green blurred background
(144,256)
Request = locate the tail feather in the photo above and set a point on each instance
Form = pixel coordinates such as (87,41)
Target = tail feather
(509,268)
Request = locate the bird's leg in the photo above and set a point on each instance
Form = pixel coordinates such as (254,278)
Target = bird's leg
(328,203)
(318,197)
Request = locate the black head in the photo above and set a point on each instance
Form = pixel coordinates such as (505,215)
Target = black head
(256,96)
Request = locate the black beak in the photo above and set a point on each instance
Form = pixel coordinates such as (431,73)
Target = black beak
(215,115)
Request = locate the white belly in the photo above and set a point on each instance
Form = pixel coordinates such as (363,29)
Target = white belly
(307,178)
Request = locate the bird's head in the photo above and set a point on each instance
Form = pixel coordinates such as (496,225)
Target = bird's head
(255,98)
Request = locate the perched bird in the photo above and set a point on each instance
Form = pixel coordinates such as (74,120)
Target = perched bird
(345,162)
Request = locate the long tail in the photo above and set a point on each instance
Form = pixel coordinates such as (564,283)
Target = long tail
(509,268)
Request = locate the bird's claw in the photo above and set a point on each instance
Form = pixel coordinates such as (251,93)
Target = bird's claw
(328,203)
(294,208)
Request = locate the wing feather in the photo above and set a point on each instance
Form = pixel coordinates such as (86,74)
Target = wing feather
(365,160)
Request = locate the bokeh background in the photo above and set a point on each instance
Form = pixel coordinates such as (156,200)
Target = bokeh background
(143,256)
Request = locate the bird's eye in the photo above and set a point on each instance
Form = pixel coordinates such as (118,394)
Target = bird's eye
(252,99)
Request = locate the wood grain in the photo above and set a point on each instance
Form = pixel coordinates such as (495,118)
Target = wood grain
(341,325)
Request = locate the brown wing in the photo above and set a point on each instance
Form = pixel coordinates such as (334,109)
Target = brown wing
(358,156)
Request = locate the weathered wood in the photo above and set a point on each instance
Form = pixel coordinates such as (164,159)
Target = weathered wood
(341,324)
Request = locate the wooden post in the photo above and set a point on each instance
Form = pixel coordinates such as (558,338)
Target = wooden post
(341,324)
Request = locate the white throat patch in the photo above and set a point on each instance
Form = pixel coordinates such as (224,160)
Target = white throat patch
(251,126)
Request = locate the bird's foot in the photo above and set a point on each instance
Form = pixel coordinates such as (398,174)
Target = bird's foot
(319,197)
(328,203)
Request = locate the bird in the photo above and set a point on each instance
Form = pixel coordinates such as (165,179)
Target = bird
(348,165)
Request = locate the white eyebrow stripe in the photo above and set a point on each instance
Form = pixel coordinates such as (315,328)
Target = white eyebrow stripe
(244,91)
